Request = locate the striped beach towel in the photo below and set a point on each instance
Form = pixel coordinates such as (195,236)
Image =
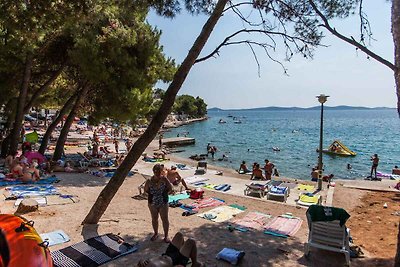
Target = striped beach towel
(254,220)
(283,226)
(206,203)
(92,252)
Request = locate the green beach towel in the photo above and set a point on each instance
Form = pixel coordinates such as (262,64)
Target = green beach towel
(32,137)
(172,198)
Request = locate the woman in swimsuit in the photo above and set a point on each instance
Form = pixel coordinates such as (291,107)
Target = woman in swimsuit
(158,188)
(30,174)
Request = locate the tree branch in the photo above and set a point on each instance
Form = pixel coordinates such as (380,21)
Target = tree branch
(267,33)
(351,40)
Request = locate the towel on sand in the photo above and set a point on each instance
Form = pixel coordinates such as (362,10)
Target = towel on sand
(306,187)
(283,226)
(220,214)
(254,220)
(195,179)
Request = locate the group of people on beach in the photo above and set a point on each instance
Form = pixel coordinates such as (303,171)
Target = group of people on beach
(158,188)
(257,172)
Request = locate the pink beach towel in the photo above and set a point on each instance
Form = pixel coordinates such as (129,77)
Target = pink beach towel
(255,220)
(206,203)
(284,225)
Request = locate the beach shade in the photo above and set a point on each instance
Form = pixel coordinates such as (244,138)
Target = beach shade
(31,155)
(32,137)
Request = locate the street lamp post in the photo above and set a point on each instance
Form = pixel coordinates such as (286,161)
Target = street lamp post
(321,99)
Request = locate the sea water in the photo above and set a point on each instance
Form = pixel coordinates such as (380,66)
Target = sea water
(296,133)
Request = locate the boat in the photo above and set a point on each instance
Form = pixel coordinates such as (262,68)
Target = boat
(237,121)
(339,149)
(221,121)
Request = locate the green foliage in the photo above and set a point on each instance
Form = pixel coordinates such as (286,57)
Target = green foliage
(187,104)
(118,54)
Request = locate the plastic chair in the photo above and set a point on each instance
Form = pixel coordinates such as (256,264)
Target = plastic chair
(328,235)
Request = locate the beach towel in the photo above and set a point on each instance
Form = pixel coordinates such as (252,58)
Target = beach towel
(283,226)
(308,199)
(206,203)
(172,198)
(92,252)
(48,180)
(279,190)
(195,179)
(21,191)
(42,201)
(254,220)
(319,213)
(220,214)
(222,187)
(306,187)
(55,238)
(238,206)
(210,186)
(230,255)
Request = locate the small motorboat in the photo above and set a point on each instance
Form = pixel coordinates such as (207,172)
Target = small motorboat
(338,149)
(276,149)
(237,121)
(221,121)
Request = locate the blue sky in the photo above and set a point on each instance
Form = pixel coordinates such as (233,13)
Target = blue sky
(231,80)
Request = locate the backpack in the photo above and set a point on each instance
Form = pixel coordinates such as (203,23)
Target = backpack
(196,193)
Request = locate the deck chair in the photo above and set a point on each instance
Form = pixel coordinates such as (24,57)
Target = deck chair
(255,188)
(201,167)
(308,199)
(278,192)
(328,230)
(141,186)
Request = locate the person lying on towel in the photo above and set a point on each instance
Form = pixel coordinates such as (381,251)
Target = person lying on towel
(178,253)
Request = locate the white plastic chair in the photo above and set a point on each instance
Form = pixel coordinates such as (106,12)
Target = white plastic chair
(328,236)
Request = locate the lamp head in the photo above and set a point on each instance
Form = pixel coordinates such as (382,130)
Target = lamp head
(322,98)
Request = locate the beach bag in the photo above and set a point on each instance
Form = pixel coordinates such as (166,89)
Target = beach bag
(196,193)
(21,245)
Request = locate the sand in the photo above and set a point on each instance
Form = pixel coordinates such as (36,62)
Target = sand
(129,216)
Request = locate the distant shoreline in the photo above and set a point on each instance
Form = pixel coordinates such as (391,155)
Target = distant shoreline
(272,108)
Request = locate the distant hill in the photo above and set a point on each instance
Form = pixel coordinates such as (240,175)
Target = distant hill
(298,108)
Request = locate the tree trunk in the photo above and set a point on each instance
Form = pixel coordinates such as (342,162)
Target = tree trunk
(140,145)
(68,122)
(55,122)
(19,116)
(42,88)
(396,41)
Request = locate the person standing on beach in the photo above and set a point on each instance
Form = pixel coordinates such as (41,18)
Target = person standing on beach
(375,162)
(115,142)
(268,168)
(160,137)
(158,188)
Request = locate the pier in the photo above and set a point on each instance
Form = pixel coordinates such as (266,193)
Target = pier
(178,141)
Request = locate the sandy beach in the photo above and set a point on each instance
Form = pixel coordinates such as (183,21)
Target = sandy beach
(372,227)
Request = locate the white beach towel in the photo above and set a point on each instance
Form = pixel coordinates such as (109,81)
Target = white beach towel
(195,179)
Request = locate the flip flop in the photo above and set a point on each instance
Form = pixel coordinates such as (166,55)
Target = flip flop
(154,237)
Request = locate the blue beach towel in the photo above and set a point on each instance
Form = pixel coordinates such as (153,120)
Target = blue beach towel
(48,180)
(230,255)
(278,190)
(21,191)
(220,187)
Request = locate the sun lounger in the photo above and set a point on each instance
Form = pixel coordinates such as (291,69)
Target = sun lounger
(255,188)
(280,192)
(328,230)
(308,199)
